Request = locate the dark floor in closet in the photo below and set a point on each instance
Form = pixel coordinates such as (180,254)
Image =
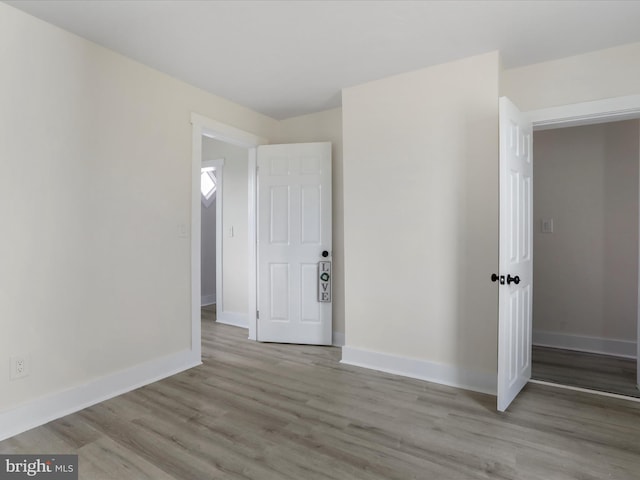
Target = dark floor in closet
(209,312)
(586,370)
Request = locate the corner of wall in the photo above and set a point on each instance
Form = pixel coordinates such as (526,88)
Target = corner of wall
(39,411)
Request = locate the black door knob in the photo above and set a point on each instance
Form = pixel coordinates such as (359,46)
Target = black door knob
(494,277)
(511,279)
(325,254)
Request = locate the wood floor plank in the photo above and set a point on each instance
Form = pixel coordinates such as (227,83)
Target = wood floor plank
(592,371)
(106,459)
(39,440)
(74,431)
(164,452)
(271,412)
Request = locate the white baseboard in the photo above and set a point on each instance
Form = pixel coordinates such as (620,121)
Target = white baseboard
(233,318)
(338,339)
(51,407)
(422,370)
(208,299)
(606,346)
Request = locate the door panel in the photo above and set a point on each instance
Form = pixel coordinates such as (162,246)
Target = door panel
(279,289)
(311,196)
(294,228)
(515,297)
(279,225)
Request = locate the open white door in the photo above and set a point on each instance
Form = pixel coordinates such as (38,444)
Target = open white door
(294,243)
(516,245)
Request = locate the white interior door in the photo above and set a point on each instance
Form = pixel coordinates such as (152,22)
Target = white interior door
(516,245)
(294,236)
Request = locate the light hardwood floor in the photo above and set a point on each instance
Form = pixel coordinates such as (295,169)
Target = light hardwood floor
(268,411)
(585,370)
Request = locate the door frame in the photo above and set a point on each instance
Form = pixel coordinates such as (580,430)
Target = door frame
(207,127)
(589,113)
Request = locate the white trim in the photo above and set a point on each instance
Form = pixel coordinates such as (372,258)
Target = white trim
(218,163)
(421,369)
(338,339)
(253,243)
(583,343)
(203,126)
(208,300)
(51,407)
(586,390)
(196,221)
(226,133)
(586,113)
(233,318)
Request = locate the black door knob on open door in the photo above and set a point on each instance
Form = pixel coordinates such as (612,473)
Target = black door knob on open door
(511,279)
(495,277)
(325,254)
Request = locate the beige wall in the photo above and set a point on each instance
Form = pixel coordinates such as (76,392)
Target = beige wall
(421,214)
(614,72)
(235,266)
(586,271)
(326,127)
(102,145)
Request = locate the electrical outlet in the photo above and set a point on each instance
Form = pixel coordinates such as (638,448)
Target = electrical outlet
(19,366)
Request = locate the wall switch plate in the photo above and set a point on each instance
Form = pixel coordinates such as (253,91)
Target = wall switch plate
(183,232)
(546,225)
(230,231)
(19,366)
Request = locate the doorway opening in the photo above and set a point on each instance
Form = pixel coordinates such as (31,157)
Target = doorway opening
(205,130)
(585,262)
(592,113)
(224,231)
(211,255)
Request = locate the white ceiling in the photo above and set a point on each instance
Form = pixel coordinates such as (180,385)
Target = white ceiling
(286,58)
